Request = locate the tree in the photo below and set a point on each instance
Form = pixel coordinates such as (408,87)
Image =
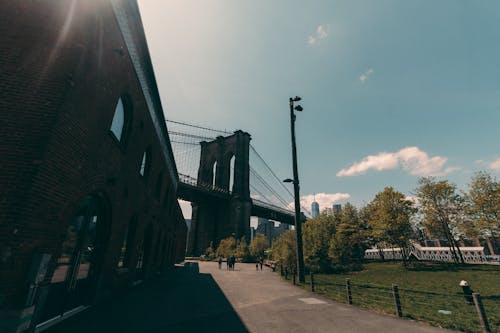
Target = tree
(210,253)
(347,247)
(317,233)
(242,249)
(258,245)
(441,207)
(227,247)
(483,208)
(389,217)
(284,249)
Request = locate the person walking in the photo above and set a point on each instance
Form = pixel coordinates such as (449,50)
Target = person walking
(220,262)
(261,262)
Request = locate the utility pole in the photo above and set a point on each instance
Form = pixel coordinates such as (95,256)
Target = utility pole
(296,190)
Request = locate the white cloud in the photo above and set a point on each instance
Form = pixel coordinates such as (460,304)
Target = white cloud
(413,199)
(325,200)
(363,77)
(322,32)
(411,159)
(495,165)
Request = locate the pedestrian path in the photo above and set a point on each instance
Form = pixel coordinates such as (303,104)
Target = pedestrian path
(266,303)
(200,297)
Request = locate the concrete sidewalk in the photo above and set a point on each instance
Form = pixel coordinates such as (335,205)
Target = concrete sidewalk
(265,303)
(198,297)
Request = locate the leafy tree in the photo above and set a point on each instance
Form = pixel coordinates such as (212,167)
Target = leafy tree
(316,235)
(284,249)
(348,245)
(389,217)
(227,247)
(441,207)
(483,208)
(242,249)
(210,253)
(258,245)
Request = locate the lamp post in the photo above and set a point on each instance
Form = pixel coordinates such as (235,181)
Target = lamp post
(296,188)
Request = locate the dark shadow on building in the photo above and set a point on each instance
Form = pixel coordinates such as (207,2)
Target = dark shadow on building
(182,300)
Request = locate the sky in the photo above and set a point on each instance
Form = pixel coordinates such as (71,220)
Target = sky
(391,90)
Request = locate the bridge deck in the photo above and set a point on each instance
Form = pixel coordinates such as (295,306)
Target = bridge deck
(192,192)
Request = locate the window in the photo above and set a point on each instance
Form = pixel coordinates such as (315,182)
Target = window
(146,161)
(121,119)
(118,120)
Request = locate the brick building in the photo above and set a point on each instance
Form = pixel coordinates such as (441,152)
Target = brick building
(88,181)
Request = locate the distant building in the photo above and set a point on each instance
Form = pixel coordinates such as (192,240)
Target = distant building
(315,209)
(268,229)
(336,208)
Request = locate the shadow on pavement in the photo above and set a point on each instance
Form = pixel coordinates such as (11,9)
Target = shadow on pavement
(182,300)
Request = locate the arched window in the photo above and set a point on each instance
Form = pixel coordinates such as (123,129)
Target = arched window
(80,260)
(145,163)
(121,119)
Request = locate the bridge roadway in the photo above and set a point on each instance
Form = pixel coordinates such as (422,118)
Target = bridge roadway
(198,297)
(194,193)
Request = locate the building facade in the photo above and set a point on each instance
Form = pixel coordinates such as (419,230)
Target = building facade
(88,203)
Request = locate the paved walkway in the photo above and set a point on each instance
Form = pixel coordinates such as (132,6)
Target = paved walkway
(265,303)
(201,298)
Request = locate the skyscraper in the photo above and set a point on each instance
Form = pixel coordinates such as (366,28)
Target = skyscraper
(315,208)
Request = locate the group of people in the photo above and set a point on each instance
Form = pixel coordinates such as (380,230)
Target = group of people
(230,263)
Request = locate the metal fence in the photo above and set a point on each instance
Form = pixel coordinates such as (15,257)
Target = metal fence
(449,310)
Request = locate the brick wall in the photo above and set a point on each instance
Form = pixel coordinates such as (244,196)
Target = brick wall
(63,67)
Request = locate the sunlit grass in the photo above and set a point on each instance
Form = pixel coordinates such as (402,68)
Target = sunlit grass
(430,294)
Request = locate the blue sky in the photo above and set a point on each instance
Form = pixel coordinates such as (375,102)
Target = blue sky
(392,90)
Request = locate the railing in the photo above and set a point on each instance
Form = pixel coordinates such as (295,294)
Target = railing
(186,179)
(194,182)
(273,207)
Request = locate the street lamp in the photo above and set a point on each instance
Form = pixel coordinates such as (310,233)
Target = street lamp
(296,188)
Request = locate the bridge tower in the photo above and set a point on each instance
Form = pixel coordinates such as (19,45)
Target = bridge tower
(216,220)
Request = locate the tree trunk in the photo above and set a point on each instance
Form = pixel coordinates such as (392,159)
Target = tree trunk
(491,246)
(450,242)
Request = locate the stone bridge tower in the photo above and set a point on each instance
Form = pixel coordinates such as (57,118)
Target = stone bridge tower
(213,220)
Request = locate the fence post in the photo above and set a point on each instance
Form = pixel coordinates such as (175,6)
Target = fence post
(485,327)
(397,301)
(348,289)
(312,282)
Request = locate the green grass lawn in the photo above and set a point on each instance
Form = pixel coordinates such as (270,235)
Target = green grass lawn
(429,293)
